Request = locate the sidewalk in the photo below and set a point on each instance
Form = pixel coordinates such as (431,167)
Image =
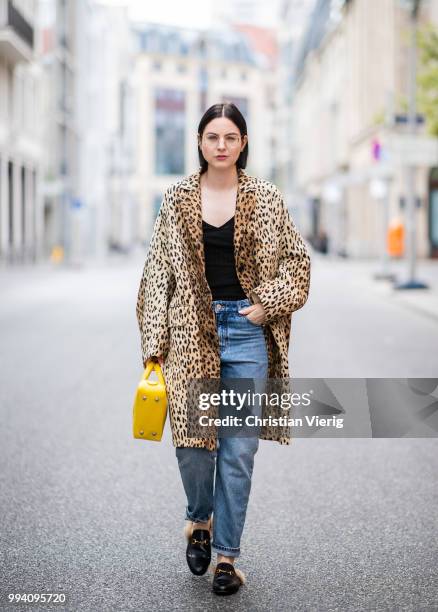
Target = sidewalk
(422,301)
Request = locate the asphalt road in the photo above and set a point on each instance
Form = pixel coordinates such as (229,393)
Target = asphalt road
(332,524)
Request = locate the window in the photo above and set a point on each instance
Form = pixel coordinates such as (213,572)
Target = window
(169,131)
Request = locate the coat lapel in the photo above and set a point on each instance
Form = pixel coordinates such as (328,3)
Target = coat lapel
(190,205)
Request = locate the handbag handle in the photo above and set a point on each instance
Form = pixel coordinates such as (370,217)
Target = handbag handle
(153,365)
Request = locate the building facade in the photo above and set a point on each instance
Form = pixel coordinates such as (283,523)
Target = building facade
(350,135)
(20,134)
(88,130)
(178,74)
(293,16)
(58,22)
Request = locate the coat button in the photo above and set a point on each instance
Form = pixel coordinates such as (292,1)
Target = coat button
(241,268)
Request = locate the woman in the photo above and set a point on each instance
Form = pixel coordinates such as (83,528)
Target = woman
(225,269)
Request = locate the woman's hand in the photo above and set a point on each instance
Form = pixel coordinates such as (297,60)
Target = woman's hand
(160,359)
(255,313)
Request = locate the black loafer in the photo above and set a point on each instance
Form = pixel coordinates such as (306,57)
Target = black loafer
(226,581)
(198,553)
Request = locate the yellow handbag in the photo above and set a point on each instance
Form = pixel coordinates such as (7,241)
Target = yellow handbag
(150,405)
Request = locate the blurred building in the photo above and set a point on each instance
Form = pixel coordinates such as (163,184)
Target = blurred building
(122,210)
(86,56)
(293,16)
(20,134)
(249,12)
(102,103)
(179,73)
(58,21)
(350,138)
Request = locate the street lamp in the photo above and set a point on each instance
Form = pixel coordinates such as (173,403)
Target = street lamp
(413,6)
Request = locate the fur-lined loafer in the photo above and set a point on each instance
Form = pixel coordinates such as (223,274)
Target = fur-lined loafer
(198,552)
(227,580)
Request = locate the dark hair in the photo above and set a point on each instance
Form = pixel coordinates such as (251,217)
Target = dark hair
(229,110)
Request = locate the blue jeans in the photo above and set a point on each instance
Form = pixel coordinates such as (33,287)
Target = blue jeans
(243,354)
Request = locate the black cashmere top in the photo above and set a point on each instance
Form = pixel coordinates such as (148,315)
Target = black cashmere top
(220,267)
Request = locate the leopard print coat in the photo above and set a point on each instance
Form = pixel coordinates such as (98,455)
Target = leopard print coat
(174,310)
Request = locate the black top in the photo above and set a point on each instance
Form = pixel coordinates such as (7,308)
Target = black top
(220,267)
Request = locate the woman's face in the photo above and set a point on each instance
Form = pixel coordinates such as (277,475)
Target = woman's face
(221,143)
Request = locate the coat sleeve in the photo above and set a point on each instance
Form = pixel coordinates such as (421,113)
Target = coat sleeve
(156,289)
(289,289)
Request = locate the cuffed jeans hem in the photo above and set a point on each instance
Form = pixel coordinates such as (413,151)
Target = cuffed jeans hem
(194,519)
(226,552)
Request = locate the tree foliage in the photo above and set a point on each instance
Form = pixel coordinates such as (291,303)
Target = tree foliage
(428,76)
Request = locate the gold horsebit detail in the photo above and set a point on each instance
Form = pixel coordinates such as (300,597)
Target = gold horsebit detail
(219,570)
(195,541)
